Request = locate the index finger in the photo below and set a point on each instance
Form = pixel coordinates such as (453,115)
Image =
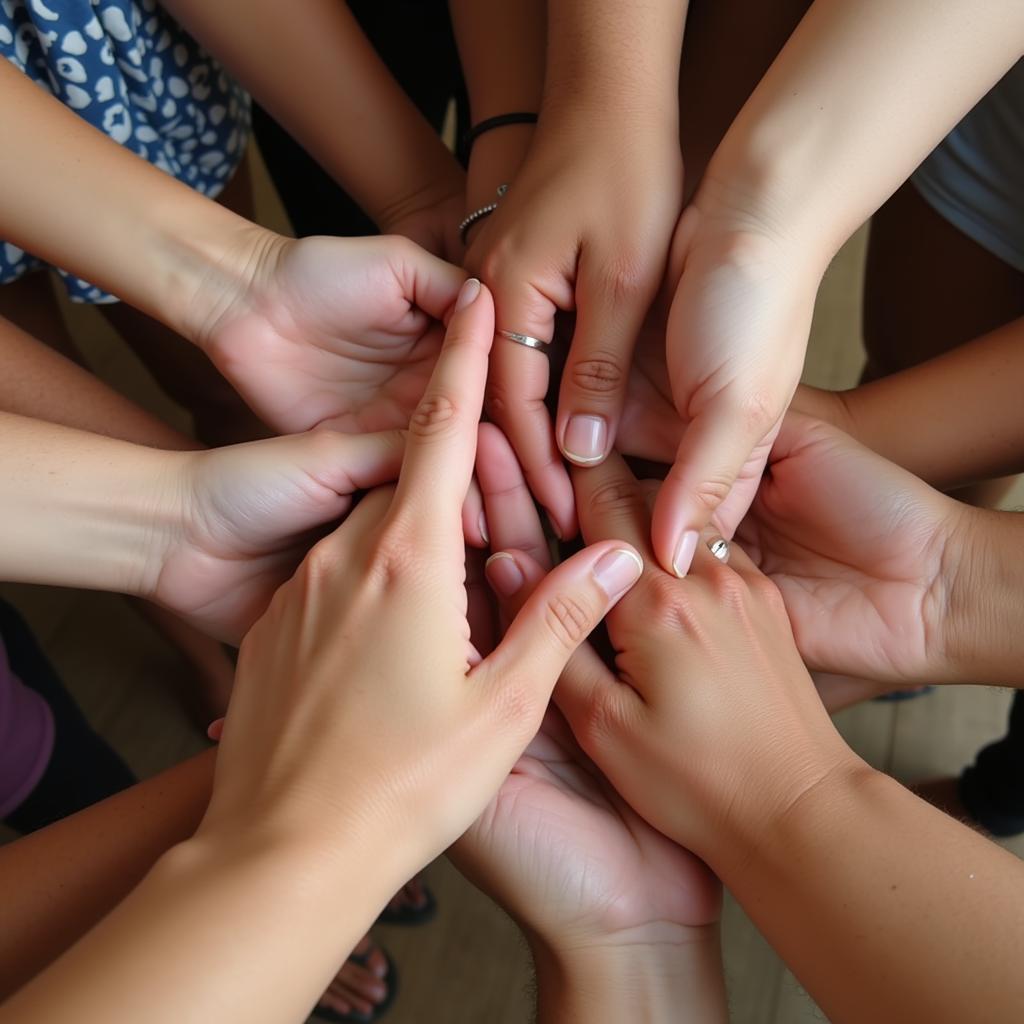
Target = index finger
(441,444)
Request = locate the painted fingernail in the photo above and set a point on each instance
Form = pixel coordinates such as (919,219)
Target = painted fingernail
(684,553)
(585,439)
(470,290)
(482,525)
(504,575)
(617,571)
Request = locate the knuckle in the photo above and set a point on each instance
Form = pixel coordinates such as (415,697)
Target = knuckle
(617,498)
(731,589)
(517,705)
(758,412)
(599,720)
(627,276)
(665,603)
(711,492)
(568,620)
(500,399)
(599,375)
(320,565)
(436,416)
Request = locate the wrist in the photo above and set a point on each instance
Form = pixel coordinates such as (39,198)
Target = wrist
(978,595)
(632,977)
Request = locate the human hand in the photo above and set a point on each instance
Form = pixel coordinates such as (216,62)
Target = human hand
(434,227)
(710,727)
(328,331)
(359,698)
(585,227)
(247,515)
(862,552)
(736,336)
(557,847)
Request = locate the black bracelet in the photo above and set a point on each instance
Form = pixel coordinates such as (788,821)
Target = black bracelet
(500,121)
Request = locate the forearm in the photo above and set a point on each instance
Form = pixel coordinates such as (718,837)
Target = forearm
(42,384)
(86,510)
(252,928)
(885,909)
(616,62)
(57,883)
(953,420)
(75,198)
(502,48)
(982,596)
(859,95)
(329,88)
(666,983)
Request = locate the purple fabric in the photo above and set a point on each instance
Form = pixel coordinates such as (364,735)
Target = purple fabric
(26,737)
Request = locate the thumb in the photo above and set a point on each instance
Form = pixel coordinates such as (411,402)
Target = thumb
(351,462)
(715,447)
(560,614)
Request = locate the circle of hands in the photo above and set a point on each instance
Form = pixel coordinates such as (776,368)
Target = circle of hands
(342,340)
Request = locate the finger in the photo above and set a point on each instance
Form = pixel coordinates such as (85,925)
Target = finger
(516,391)
(715,447)
(353,462)
(611,503)
(514,576)
(347,544)
(594,381)
(441,444)
(507,503)
(559,615)
(432,284)
(474,519)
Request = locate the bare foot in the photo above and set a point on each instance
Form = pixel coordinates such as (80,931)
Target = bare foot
(361,985)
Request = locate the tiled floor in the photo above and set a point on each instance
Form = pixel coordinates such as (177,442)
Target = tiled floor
(469,965)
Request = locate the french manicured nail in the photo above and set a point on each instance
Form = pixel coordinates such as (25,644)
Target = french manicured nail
(470,290)
(503,573)
(684,553)
(617,571)
(482,525)
(585,439)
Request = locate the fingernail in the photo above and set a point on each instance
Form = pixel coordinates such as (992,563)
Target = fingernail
(470,290)
(585,439)
(617,571)
(684,553)
(482,525)
(503,573)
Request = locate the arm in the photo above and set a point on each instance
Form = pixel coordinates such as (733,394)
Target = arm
(968,398)
(585,227)
(886,909)
(57,883)
(279,317)
(327,86)
(856,99)
(296,853)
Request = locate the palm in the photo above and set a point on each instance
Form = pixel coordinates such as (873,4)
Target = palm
(565,855)
(848,539)
(330,335)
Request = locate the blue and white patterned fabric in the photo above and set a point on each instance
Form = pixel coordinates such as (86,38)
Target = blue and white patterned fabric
(131,71)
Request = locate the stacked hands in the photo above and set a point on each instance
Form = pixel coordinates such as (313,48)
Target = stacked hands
(597,819)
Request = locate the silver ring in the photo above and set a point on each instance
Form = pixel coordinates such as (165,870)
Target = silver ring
(719,548)
(525,339)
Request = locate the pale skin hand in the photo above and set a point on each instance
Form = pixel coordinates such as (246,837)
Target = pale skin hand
(619,918)
(742,765)
(334,331)
(585,227)
(295,855)
(785,188)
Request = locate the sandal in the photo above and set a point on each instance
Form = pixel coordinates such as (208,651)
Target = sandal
(354,1016)
(408,910)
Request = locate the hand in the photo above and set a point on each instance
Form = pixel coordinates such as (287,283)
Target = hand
(329,331)
(737,331)
(710,727)
(248,515)
(585,227)
(861,552)
(359,699)
(557,847)
(435,227)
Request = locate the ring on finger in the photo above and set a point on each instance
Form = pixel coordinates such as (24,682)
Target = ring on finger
(527,340)
(719,547)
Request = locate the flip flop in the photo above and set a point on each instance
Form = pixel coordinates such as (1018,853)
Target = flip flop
(410,915)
